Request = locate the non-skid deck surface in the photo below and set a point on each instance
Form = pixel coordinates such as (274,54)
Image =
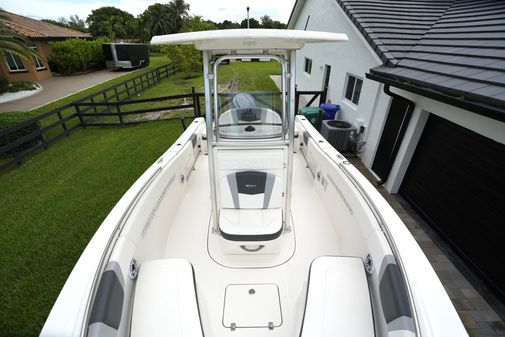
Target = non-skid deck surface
(313,234)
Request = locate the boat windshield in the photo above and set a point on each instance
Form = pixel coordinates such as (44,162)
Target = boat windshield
(249,104)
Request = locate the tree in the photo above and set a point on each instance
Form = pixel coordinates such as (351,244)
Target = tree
(73,22)
(99,25)
(226,24)
(266,22)
(135,30)
(279,25)
(54,22)
(115,26)
(196,24)
(157,20)
(10,41)
(179,12)
(253,23)
(187,57)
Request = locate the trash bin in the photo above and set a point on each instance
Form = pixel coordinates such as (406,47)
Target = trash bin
(313,114)
(330,110)
(337,133)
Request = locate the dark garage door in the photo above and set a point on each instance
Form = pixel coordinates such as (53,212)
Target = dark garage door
(456,181)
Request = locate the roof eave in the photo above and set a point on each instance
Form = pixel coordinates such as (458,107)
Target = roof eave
(495,112)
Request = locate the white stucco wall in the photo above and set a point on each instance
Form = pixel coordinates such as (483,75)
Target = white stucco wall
(354,57)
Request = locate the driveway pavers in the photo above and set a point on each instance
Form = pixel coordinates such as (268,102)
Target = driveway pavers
(59,87)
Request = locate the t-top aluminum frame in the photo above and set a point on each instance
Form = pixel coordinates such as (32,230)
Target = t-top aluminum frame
(288,80)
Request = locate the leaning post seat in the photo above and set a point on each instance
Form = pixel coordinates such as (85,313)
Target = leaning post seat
(165,301)
(250,206)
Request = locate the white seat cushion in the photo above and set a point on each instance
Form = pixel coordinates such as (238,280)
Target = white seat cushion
(165,300)
(250,224)
(338,300)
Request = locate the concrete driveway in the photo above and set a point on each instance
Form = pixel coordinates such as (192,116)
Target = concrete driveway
(59,87)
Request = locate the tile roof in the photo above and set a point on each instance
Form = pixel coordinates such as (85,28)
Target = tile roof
(456,47)
(36,29)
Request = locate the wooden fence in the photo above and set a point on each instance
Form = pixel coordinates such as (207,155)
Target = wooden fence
(111,107)
(52,125)
(117,113)
(315,95)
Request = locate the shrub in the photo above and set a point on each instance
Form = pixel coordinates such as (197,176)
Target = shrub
(4,85)
(76,55)
(154,48)
(186,57)
(21,85)
(9,119)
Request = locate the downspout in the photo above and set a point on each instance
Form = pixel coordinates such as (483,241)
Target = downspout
(403,128)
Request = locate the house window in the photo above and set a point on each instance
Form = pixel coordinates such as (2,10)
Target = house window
(14,62)
(39,64)
(353,88)
(308,65)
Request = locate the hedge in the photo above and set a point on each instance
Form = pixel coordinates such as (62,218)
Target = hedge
(4,85)
(76,55)
(9,119)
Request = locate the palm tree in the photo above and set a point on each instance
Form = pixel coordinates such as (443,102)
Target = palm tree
(179,11)
(115,27)
(12,42)
(157,20)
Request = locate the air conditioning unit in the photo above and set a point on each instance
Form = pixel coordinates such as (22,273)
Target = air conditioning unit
(337,133)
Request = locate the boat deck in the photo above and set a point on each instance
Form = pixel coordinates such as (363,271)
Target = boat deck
(312,235)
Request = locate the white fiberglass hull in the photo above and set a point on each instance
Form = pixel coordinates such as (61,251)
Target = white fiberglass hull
(166,216)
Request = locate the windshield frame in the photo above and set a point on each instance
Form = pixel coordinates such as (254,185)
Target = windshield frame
(222,59)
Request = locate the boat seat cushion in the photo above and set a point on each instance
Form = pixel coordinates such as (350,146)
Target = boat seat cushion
(250,189)
(165,301)
(250,224)
(338,299)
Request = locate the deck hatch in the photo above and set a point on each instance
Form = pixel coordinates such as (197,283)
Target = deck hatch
(252,306)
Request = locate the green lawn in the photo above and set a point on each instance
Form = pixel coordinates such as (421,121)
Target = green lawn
(250,76)
(53,203)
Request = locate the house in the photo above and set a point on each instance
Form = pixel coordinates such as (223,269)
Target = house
(39,34)
(424,82)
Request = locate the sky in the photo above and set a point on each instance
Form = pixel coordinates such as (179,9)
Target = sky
(215,10)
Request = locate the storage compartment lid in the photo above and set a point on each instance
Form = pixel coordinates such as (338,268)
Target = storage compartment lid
(252,306)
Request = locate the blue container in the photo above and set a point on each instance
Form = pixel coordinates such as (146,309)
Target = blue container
(330,110)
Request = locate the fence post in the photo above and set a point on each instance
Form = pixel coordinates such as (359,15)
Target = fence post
(63,123)
(127,89)
(141,85)
(106,101)
(115,93)
(42,138)
(119,113)
(199,106)
(193,96)
(322,98)
(78,111)
(93,101)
